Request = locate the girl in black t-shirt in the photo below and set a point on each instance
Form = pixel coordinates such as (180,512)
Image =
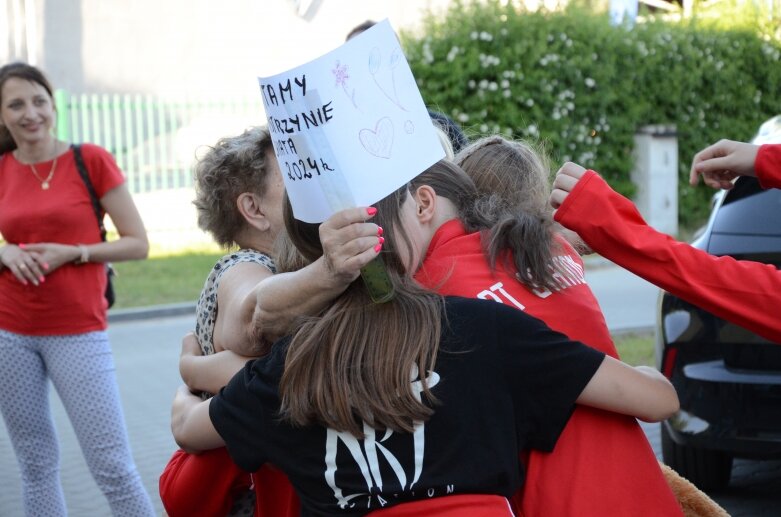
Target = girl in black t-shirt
(422,398)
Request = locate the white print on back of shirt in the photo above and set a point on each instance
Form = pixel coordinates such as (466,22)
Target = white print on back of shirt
(566,273)
(366,454)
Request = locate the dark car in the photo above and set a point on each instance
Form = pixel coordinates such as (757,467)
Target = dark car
(728,379)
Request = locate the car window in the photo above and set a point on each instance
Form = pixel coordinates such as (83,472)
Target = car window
(749,210)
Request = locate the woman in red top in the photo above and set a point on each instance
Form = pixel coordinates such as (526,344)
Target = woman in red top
(52,303)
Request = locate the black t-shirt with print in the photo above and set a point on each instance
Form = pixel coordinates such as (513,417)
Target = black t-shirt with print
(504,380)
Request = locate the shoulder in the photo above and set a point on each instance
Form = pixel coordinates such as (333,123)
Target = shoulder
(566,248)
(94,152)
(482,318)
(474,309)
(256,257)
(268,369)
(101,167)
(251,256)
(488,321)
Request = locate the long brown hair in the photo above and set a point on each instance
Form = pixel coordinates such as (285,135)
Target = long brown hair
(25,72)
(512,181)
(353,362)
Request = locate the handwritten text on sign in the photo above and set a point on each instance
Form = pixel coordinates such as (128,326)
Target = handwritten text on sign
(284,147)
(350,127)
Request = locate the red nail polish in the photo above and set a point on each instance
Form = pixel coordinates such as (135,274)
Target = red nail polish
(377,248)
(371,210)
(21,246)
(382,240)
(42,279)
(379,231)
(46,266)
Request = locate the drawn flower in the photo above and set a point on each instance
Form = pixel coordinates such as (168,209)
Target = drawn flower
(340,74)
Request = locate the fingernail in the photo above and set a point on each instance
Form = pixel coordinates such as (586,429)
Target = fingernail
(377,248)
(21,246)
(42,279)
(382,240)
(46,266)
(371,210)
(379,231)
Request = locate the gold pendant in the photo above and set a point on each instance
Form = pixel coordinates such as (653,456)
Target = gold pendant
(45,185)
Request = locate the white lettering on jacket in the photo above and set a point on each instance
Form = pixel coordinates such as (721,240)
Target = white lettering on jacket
(566,273)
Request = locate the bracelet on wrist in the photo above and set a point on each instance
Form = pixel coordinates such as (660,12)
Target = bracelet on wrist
(84,257)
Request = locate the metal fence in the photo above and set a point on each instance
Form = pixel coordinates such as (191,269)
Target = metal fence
(154,140)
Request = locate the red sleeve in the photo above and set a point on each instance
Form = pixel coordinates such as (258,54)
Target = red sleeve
(200,484)
(102,168)
(768,166)
(745,293)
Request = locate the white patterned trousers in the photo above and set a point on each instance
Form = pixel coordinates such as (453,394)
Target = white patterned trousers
(81,368)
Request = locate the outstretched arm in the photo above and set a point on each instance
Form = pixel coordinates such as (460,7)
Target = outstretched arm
(639,391)
(720,163)
(746,293)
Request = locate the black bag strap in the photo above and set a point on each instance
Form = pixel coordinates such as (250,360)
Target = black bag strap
(90,188)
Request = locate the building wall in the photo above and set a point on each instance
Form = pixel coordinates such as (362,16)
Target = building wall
(180,49)
(183,47)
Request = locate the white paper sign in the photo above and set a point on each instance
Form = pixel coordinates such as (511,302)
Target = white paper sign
(350,127)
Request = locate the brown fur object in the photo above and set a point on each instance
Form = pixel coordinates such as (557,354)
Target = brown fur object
(693,501)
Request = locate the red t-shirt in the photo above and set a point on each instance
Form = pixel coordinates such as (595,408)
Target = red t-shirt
(71,299)
(602,463)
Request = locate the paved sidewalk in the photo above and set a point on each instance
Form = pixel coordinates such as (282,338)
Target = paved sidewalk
(146,354)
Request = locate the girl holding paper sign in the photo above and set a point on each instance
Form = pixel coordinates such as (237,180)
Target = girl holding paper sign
(487,381)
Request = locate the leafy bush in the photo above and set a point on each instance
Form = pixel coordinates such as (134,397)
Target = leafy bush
(583,86)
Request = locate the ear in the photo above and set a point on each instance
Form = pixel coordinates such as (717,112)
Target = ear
(426,199)
(250,208)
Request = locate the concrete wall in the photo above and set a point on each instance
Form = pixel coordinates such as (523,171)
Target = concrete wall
(183,47)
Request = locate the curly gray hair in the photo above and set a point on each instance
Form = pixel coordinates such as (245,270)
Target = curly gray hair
(234,165)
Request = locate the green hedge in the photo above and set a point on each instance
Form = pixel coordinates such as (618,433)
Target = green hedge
(582,86)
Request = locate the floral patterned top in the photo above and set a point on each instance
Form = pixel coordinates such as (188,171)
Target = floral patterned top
(206,310)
